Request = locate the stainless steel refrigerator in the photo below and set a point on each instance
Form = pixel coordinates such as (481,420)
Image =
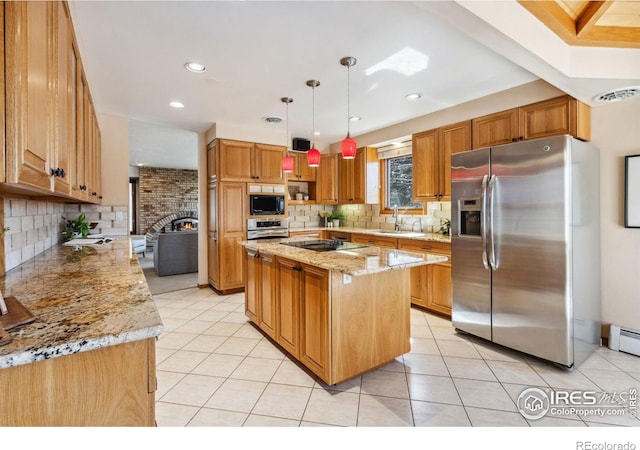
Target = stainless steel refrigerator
(525,234)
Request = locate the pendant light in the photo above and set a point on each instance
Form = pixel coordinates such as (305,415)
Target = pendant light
(348,144)
(313,155)
(287,161)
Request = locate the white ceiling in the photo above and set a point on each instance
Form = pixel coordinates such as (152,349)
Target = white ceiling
(258,52)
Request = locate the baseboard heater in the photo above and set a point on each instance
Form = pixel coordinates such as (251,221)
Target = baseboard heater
(624,340)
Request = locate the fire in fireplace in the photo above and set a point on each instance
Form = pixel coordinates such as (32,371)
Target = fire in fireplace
(184,224)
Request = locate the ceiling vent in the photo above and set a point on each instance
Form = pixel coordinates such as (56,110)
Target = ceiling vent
(272,119)
(617,94)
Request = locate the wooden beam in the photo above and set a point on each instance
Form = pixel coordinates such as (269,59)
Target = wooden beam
(554,17)
(590,16)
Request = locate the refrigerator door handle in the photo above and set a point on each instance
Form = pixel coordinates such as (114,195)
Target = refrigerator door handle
(483,222)
(492,246)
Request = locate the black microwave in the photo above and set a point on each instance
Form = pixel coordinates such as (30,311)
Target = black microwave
(266,205)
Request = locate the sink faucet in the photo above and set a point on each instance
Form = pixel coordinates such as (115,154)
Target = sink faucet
(419,222)
(395,215)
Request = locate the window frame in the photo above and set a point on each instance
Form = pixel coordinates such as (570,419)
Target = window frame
(416,211)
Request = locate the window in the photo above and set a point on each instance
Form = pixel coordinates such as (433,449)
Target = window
(399,183)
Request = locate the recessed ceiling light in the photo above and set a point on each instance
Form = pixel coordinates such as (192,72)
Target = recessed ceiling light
(316,133)
(355,118)
(414,96)
(140,164)
(176,105)
(396,143)
(617,94)
(195,67)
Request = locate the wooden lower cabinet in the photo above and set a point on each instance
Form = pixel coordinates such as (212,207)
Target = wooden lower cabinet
(110,386)
(337,327)
(431,284)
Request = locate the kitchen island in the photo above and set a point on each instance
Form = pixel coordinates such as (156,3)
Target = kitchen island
(88,359)
(339,313)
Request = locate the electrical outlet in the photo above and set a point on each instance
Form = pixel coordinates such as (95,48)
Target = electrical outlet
(119,215)
(346,279)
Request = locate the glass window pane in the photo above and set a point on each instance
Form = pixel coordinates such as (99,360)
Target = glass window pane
(400,182)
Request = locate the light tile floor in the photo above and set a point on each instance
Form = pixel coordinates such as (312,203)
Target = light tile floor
(215,369)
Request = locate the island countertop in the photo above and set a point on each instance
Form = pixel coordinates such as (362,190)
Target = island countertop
(358,261)
(83,299)
(405,234)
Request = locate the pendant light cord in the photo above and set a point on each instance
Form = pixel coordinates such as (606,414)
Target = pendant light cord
(348,101)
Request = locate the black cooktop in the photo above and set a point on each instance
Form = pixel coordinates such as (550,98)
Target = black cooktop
(324,245)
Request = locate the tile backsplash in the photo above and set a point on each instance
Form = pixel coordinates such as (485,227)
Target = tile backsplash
(368,216)
(35,225)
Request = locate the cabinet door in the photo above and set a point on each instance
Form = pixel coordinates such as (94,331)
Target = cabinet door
(287,306)
(251,284)
(79,161)
(345,180)
(65,101)
(419,277)
(561,115)
(301,169)
(231,230)
(440,293)
(426,185)
(267,162)
(212,236)
(268,293)
(359,177)
(327,176)
(453,138)
(314,320)
(495,129)
(30,108)
(235,160)
(211,162)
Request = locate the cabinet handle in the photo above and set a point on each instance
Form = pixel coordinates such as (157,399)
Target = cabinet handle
(53,172)
(94,193)
(425,248)
(256,256)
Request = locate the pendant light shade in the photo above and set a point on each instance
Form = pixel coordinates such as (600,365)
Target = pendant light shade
(313,155)
(349,145)
(287,164)
(287,161)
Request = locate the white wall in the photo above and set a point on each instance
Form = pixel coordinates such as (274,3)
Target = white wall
(616,132)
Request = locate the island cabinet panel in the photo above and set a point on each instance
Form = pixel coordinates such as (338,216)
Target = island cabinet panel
(314,320)
(260,292)
(110,386)
(370,321)
(288,306)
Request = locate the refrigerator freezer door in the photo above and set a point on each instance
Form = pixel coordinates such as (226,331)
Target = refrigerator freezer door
(531,217)
(471,304)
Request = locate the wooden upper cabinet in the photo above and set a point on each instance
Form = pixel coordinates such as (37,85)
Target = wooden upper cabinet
(30,108)
(247,161)
(425,165)
(562,115)
(557,116)
(267,166)
(52,137)
(211,162)
(495,129)
(432,160)
(327,179)
(234,160)
(359,178)
(2,103)
(66,59)
(301,169)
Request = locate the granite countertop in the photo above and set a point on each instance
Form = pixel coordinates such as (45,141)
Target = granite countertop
(365,260)
(379,232)
(83,299)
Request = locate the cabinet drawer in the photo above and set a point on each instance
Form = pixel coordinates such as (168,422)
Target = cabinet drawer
(310,234)
(415,245)
(378,241)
